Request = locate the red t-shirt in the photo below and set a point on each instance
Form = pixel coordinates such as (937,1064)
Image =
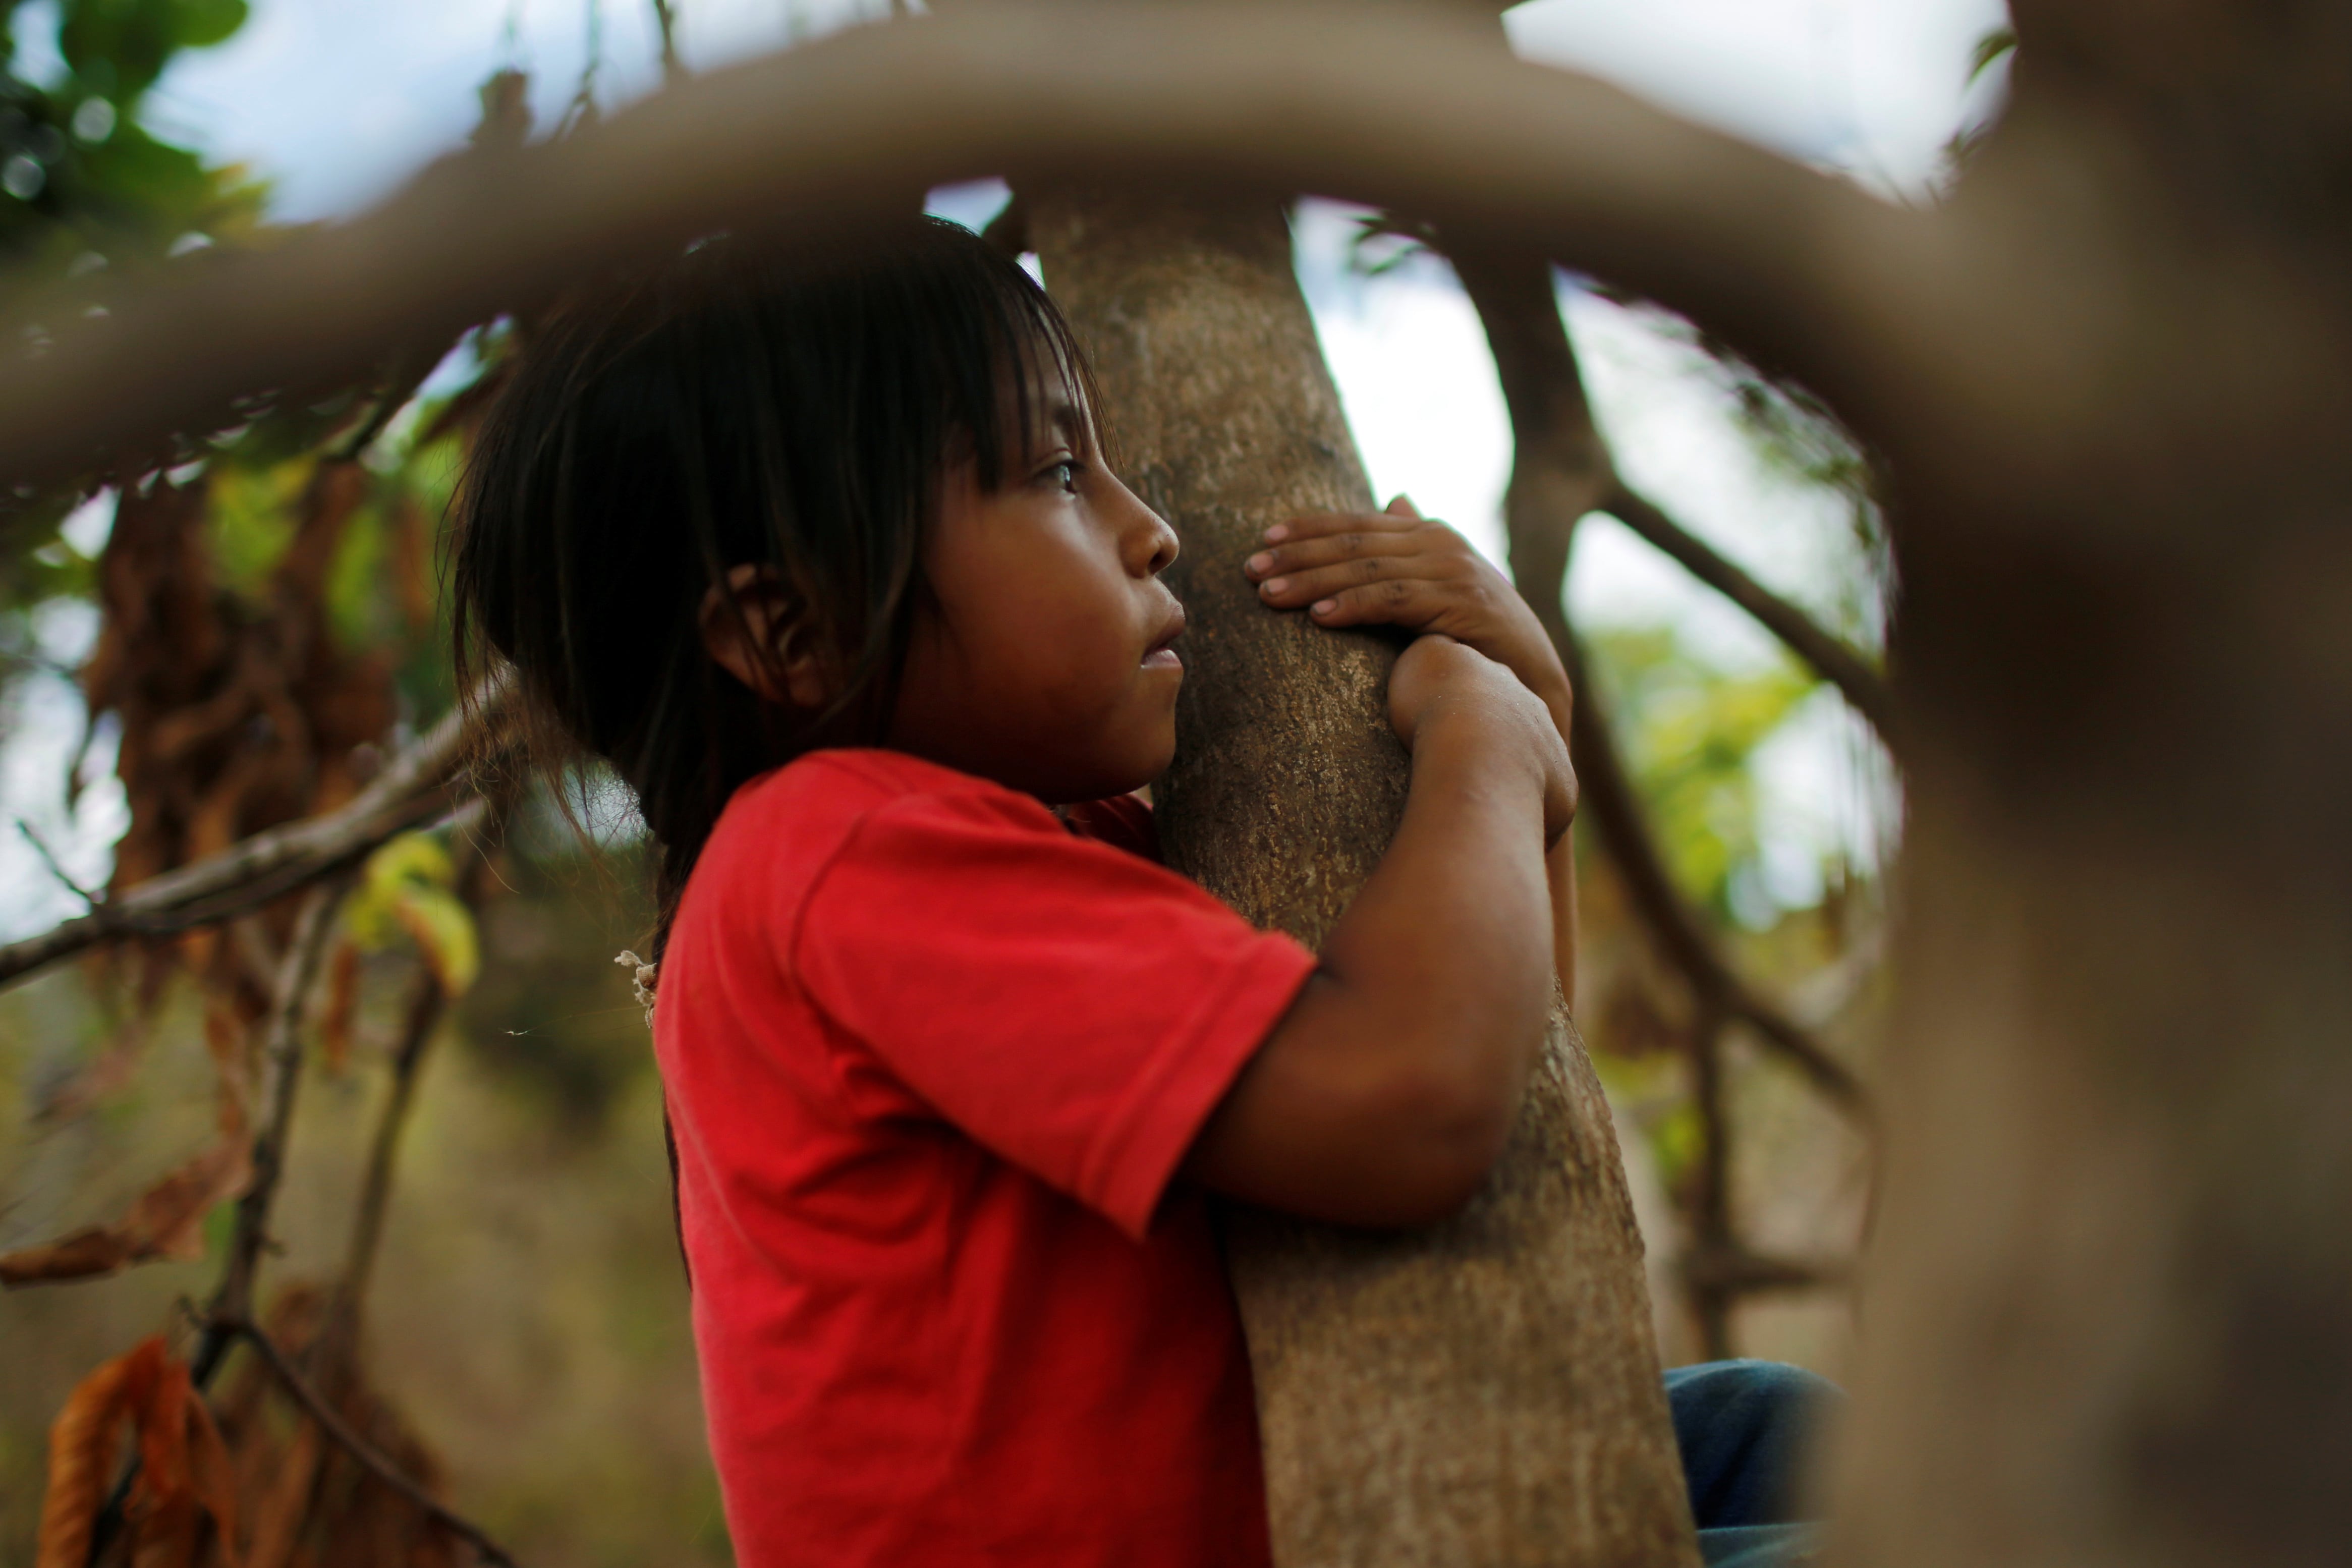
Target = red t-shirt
(931,1059)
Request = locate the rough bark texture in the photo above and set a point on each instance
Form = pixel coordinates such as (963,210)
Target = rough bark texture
(1484,1391)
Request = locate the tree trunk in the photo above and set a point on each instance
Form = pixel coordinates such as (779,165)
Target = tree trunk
(1485,1391)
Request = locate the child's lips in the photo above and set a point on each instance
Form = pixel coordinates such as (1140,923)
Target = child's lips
(1160,655)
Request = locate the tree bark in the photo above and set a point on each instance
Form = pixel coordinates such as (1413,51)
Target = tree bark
(1485,1391)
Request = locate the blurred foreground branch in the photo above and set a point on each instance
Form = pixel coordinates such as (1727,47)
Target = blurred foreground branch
(269,865)
(1766,254)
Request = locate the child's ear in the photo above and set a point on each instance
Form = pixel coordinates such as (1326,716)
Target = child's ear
(763,634)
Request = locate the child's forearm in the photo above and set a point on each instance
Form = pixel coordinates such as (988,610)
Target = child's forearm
(1386,1093)
(1449,940)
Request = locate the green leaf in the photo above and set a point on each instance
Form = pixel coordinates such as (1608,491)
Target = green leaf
(121,47)
(406,892)
(1689,732)
(203,23)
(443,929)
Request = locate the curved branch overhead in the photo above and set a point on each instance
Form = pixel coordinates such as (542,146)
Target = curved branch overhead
(1406,109)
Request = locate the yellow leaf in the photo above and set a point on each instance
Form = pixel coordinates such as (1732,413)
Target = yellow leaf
(443,930)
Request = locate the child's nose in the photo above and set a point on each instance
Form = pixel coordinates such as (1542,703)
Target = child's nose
(1150,543)
(1163,545)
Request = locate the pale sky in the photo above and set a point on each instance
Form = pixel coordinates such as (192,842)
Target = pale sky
(336,100)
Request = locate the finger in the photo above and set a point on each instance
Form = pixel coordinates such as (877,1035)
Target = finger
(1395,601)
(1289,590)
(1402,506)
(1315,524)
(1303,554)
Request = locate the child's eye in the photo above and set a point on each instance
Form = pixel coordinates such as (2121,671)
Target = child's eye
(1062,476)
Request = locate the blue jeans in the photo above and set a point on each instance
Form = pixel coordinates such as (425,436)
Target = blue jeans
(1742,1427)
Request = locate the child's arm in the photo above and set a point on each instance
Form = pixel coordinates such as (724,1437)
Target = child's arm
(1398,568)
(1388,1088)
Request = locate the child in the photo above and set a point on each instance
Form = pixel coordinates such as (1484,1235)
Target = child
(816,546)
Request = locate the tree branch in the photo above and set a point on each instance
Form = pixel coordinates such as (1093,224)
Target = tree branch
(282,1057)
(370,1457)
(1831,656)
(281,1069)
(1614,806)
(269,864)
(1562,455)
(1561,469)
(1796,267)
(91,898)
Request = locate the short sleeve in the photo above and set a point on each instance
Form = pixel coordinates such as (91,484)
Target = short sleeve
(1073,1007)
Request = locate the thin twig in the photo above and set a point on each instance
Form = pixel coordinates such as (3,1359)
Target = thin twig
(427,1003)
(57,868)
(269,864)
(666,21)
(281,1076)
(370,1457)
(1831,656)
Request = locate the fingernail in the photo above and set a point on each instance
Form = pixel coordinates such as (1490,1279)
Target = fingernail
(1278,533)
(1275,584)
(1258,562)
(1325,607)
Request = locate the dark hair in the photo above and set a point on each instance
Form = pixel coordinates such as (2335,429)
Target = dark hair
(784,402)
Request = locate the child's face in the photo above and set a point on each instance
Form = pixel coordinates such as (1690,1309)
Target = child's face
(1045,665)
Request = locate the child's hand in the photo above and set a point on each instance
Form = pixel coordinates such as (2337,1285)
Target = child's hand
(1439,682)
(1398,568)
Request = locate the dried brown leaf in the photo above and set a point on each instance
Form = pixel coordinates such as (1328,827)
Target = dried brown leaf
(82,1449)
(285,1502)
(167,1221)
(212,1476)
(163,1513)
